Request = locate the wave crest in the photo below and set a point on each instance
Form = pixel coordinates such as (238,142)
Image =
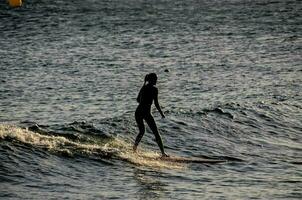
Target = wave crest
(114,149)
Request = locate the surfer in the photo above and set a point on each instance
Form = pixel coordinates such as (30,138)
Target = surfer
(145,98)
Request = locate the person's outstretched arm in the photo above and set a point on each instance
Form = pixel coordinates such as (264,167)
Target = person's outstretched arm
(157,104)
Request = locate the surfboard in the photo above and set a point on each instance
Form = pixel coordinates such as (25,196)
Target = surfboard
(180,159)
(190,160)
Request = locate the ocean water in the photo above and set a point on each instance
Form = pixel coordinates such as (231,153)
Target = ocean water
(229,80)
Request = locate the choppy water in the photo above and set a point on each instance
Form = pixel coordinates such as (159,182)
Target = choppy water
(230,75)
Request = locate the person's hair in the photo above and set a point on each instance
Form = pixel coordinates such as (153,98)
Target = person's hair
(150,77)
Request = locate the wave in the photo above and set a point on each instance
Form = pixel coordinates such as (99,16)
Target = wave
(219,111)
(103,148)
(232,132)
(241,130)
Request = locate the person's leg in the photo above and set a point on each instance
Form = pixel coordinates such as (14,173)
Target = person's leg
(141,127)
(151,123)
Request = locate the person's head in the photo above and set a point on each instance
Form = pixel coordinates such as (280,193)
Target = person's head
(151,78)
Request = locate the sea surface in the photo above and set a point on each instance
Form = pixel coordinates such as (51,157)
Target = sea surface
(230,85)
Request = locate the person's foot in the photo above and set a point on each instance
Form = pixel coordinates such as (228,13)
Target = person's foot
(164,155)
(134,149)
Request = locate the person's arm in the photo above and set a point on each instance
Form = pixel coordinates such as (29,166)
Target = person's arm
(138,99)
(157,104)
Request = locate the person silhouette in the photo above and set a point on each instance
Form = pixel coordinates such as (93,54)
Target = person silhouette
(147,94)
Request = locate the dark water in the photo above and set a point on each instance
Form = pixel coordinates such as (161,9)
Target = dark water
(230,76)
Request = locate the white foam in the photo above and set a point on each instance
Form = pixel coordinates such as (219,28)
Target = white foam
(118,148)
(52,143)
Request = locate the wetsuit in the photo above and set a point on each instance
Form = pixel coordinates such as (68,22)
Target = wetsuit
(145,98)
